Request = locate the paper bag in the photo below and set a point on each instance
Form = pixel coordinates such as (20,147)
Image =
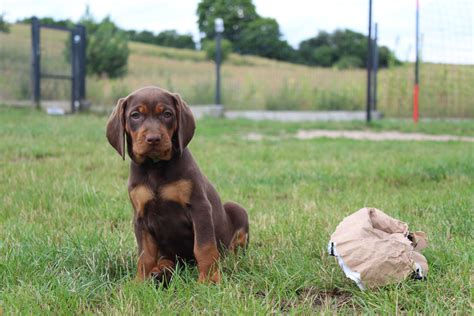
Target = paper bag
(374,249)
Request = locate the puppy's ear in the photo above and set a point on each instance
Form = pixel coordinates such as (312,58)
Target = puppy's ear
(186,124)
(116,127)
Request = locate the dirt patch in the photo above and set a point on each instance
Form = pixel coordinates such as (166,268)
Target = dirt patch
(321,298)
(317,298)
(380,136)
(361,135)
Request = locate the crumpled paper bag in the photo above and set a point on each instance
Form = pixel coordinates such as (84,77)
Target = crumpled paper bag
(374,249)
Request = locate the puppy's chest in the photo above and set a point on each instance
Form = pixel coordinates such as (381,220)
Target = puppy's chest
(161,200)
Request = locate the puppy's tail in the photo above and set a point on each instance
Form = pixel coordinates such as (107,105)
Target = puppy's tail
(240,221)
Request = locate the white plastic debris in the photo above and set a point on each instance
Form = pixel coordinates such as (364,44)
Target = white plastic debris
(55,111)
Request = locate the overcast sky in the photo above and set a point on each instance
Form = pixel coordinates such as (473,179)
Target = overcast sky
(446,25)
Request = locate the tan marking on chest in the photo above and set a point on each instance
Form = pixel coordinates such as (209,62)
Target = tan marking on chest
(140,195)
(178,191)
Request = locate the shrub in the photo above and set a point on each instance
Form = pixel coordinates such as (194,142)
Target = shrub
(4,26)
(210,48)
(107,50)
(349,62)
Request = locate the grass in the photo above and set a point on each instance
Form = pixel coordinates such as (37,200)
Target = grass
(248,82)
(67,246)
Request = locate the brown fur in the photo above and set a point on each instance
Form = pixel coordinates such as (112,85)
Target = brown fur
(148,251)
(179,192)
(178,213)
(207,257)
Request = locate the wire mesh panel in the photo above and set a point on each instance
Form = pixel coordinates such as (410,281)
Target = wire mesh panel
(55,48)
(446,63)
(447,54)
(15,57)
(44,64)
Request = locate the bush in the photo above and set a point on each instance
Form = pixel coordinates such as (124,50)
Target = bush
(107,50)
(323,56)
(349,62)
(171,38)
(210,48)
(4,26)
(107,47)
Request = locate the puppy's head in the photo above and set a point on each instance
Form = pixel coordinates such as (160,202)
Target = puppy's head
(154,123)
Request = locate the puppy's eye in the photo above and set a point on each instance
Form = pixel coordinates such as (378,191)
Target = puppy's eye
(135,115)
(167,114)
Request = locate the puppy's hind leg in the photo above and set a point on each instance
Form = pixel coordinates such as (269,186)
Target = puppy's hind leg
(240,222)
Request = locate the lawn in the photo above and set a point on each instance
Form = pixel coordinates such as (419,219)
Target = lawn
(67,246)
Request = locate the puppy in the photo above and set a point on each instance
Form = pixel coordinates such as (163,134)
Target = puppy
(178,214)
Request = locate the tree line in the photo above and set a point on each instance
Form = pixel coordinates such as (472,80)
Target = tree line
(168,38)
(250,33)
(245,32)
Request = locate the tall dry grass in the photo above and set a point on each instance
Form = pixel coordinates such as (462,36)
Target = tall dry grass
(248,82)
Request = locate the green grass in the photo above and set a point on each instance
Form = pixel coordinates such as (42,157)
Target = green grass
(67,246)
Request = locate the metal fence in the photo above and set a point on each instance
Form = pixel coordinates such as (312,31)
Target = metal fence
(446,73)
(45,66)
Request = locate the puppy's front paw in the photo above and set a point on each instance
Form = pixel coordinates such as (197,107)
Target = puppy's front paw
(214,276)
(163,272)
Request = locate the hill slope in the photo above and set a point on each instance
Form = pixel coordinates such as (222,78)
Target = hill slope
(248,82)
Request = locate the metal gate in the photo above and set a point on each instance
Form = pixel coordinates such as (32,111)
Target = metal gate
(77,59)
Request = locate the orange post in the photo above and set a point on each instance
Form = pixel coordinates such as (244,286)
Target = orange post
(416,87)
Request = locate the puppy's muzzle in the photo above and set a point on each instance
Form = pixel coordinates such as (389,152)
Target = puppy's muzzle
(153,139)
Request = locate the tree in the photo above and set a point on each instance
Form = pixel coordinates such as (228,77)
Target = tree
(387,58)
(348,62)
(4,26)
(144,37)
(350,43)
(248,32)
(324,56)
(171,38)
(237,14)
(209,47)
(342,48)
(50,21)
(307,47)
(262,37)
(107,47)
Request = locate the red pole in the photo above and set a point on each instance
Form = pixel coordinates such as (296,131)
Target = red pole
(416,88)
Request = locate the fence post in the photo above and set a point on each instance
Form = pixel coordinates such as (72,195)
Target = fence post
(369,64)
(75,39)
(35,61)
(416,88)
(375,66)
(82,63)
(219,28)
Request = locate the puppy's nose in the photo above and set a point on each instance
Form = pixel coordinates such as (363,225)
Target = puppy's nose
(153,139)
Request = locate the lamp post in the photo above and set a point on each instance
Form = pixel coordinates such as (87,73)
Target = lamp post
(219,28)
(369,65)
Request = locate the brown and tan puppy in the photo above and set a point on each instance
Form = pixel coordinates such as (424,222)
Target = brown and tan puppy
(178,214)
